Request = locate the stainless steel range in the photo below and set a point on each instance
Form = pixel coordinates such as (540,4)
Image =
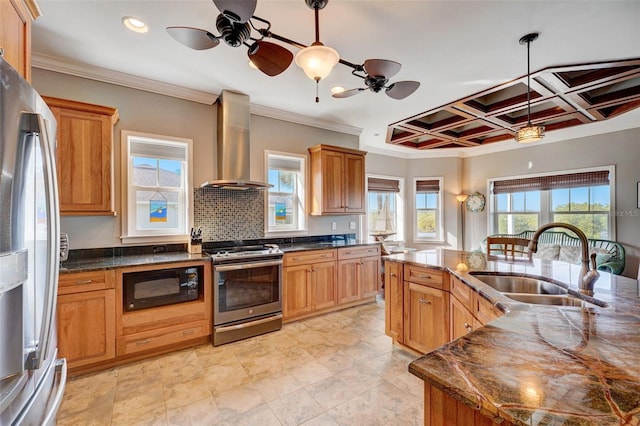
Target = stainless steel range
(247,292)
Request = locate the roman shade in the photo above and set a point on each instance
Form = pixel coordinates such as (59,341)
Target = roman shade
(541,183)
(423,186)
(383,185)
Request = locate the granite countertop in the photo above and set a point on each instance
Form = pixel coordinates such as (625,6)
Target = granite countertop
(287,248)
(113,262)
(539,365)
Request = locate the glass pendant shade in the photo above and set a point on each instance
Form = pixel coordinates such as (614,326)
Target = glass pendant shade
(317,60)
(530,134)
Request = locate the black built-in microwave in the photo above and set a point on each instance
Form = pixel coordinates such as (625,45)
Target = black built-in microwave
(149,289)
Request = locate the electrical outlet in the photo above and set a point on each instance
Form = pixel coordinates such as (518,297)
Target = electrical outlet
(334,226)
(352,225)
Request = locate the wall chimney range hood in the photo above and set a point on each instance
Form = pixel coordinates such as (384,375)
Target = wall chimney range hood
(233,144)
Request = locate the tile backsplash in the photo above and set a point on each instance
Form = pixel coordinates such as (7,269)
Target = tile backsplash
(226,215)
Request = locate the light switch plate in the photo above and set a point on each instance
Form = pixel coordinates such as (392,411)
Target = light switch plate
(333,226)
(352,225)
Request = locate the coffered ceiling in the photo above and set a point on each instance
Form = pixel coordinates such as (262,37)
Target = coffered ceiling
(465,53)
(561,97)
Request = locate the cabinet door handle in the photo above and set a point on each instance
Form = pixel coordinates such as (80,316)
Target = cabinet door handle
(81,282)
(468,327)
(425,301)
(143,342)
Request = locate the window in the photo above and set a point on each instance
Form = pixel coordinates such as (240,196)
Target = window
(285,205)
(428,209)
(157,183)
(583,199)
(384,207)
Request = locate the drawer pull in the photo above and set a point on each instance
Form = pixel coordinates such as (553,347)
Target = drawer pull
(325,255)
(425,301)
(468,327)
(296,258)
(424,276)
(143,342)
(81,282)
(187,332)
(371,251)
(347,252)
(393,274)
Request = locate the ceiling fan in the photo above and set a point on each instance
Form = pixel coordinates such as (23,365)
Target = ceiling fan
(238,26)
(376,74)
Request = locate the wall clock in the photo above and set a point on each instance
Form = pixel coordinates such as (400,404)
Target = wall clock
(475,202)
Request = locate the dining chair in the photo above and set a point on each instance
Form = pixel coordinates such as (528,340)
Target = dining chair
(508,246)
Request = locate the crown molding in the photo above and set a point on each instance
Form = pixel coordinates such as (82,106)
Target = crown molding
(77,69)
(304,120)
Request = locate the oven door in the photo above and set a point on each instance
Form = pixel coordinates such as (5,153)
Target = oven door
(246,290)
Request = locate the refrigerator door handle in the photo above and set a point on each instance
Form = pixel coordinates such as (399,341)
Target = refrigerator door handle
(61,369)
(41,127)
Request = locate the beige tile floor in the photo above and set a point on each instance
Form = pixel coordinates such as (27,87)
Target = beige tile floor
(335,369)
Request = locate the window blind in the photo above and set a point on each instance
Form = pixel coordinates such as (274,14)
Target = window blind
(427,186)
(383,185)
(541,183)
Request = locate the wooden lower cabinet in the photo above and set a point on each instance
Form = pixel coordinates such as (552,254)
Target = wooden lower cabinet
(426,317)
(313,282)
(462,321)
(393,304)
(358,273)
(163,328)
(308,288)
(441,409)
(86,318)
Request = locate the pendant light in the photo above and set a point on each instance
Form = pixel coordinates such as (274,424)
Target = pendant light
(529,133)
(317,60)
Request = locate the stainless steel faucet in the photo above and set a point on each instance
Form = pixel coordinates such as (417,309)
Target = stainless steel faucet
(588,276)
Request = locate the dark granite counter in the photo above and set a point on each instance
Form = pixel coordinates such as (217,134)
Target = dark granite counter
(287,248)
(112,262)
(541,365)
(126,260)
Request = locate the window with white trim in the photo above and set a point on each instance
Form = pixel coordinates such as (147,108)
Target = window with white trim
(428,226)
(583,199)
(385,207)
(157,184)
(285,199)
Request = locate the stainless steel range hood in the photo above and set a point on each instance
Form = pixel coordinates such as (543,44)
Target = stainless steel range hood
(233,144)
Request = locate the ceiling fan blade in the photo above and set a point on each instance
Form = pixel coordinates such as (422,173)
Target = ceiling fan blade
(381,67)
(402,89)
(237,10)
(348,93)
(270,58)
(194,38)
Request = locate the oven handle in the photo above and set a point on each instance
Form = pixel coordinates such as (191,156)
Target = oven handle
(247,324)
(236,266)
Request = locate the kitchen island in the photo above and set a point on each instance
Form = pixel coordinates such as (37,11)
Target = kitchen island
(537,364)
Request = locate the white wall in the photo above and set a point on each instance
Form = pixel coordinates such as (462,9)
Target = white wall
(621,149)
(163,115)
(147,112)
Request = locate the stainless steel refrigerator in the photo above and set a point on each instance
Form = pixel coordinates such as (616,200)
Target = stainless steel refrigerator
(32,379)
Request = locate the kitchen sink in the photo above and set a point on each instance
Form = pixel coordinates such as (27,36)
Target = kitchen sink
(550,299)
(519,284)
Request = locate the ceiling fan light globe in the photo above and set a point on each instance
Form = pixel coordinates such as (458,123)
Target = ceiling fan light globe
(317,61)
(530,134)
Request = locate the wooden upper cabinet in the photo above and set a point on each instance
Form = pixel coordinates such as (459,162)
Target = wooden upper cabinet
(84,156)
(337,180)
(15,33)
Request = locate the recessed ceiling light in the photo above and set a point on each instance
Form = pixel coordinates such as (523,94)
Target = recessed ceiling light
(337,89)
(134,24)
